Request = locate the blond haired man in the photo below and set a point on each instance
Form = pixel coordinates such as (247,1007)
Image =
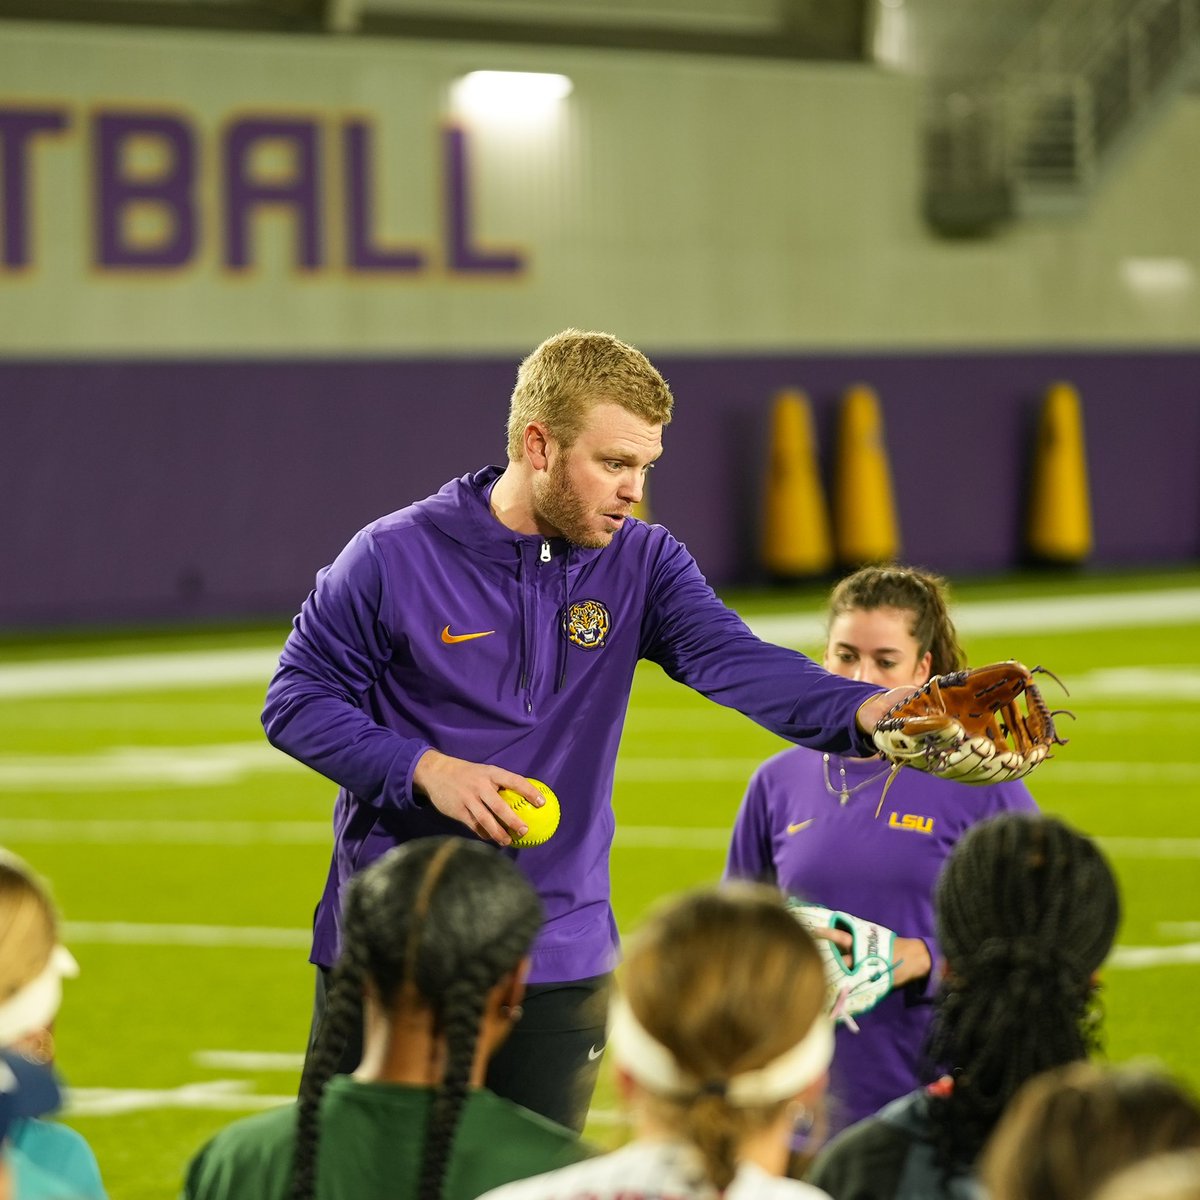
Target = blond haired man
(489,633)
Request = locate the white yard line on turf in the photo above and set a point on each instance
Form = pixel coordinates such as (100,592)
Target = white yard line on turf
(1124,772)
(132,933)
(137,672)
(247,1060)
(237,937)
(1139,957)
(1151,847)
(260,1061)
(142,768)
(222,1095)
(166,833)
(1037,614)
(255,833)
(216,668)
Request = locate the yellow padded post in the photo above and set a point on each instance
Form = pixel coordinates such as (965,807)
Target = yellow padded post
(1060,511)
(795,541)
(864,505)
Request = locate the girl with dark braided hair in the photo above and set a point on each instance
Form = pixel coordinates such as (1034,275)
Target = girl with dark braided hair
(1027,911)
(819,827)
(719,1040)
(436,937)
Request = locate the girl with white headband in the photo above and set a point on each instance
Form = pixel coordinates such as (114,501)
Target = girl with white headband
(720,1045)
(46,1159)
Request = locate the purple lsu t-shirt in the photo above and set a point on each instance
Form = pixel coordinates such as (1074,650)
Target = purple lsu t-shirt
(792,832)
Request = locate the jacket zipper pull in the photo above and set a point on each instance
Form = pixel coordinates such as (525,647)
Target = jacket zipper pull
(544,553)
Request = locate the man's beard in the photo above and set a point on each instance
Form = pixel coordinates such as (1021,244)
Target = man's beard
(559,506)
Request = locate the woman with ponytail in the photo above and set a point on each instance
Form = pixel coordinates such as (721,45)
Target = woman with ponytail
(820,827)
(720,1044)
(436,937)
(1027,911)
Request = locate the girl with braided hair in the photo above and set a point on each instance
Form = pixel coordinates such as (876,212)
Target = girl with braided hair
(820,828)
(1027,911)
(436,937)
(719,1039)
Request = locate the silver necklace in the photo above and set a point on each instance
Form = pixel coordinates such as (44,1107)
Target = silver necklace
(843,792)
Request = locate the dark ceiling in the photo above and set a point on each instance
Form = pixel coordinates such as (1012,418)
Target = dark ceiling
(830,30)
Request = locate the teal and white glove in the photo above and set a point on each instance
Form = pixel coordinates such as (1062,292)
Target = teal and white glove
(856,987)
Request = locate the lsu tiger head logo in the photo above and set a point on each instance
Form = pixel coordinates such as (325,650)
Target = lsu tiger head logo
(586,624)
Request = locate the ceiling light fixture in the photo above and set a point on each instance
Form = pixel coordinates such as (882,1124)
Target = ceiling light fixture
(491,93)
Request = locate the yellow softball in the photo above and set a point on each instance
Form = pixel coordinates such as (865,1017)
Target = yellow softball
(540,822)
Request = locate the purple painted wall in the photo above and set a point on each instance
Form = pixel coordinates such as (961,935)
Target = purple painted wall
(135,491)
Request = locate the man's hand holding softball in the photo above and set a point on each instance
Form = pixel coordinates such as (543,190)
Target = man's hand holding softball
(469,792)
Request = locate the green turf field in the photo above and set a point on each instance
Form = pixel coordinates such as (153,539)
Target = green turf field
(187,855)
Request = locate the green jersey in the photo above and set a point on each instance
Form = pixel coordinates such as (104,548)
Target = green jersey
(371,1144)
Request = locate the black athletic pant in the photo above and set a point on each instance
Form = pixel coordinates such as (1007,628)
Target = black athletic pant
(550,1061)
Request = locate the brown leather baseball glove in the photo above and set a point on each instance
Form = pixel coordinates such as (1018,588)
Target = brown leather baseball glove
(970,726)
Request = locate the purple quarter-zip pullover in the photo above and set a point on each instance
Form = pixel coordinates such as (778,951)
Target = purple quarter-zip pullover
(439,627)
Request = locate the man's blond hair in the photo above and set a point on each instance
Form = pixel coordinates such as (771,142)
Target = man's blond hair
(570,373)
